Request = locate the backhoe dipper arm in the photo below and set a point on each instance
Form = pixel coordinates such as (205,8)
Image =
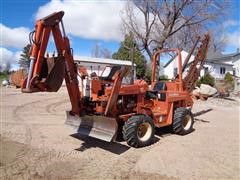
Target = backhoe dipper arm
(33,83)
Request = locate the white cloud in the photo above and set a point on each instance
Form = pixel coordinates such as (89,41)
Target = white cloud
(14,37)
(7,56)
(88,19)
(230,23)
(233,39)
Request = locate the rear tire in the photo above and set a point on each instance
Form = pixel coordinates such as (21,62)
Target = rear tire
(138,131)
(182,121)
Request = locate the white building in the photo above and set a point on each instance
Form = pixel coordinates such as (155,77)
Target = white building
(220,64)
(102,66)
(236,73)
(236,67)
(171,67)
(216,64)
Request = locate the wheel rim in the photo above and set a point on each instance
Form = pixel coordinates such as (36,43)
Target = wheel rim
(144,131)
(187,121)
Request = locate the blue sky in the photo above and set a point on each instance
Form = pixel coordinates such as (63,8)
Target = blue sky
(18,17)
(16,13)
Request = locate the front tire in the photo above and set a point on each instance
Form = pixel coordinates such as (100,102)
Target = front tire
(182,121)
(138,131)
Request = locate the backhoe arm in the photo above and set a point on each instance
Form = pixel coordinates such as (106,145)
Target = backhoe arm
(40,77)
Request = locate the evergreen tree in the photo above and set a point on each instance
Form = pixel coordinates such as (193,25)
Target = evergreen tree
(124,53)
(24,61)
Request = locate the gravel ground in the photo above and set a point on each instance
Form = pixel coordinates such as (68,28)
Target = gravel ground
(35,144)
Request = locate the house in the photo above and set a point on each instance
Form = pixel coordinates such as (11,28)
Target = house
(236,73)
(216,64)
(102,66)
(219,64)
(236,65)
(170,69)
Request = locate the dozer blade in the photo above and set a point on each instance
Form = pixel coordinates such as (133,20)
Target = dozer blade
(99,127)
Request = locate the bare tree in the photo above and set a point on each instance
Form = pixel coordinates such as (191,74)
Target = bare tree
(98,51)
(106,53)
(218,42)
(8,67)
(176,23)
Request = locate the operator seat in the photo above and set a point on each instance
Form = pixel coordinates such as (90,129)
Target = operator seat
(154,93)
(111,74)
(160,86)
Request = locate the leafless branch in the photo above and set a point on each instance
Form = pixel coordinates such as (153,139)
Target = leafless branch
(159,24)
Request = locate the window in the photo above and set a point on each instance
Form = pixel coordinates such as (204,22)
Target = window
(234,72)
(206,70)
(175,72)
(222,70)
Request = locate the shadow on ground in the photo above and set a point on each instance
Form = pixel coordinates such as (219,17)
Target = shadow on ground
(226,98)
(163,132)
(200,113)
(90,142)
(119,148)
(113,147)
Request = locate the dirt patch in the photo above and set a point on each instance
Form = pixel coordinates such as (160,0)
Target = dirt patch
(10,151)
(63,169)
(35,144)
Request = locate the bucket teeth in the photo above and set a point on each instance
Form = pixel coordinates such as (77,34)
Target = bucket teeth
(99,127)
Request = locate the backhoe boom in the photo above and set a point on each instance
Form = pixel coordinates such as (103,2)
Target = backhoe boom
(35,81)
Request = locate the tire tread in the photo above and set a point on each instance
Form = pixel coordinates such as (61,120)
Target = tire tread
(130,130)
(179,114)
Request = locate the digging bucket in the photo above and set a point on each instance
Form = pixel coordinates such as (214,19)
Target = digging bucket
(100,127)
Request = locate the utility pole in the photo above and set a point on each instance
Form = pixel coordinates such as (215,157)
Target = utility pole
(132,51)
(132,70)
